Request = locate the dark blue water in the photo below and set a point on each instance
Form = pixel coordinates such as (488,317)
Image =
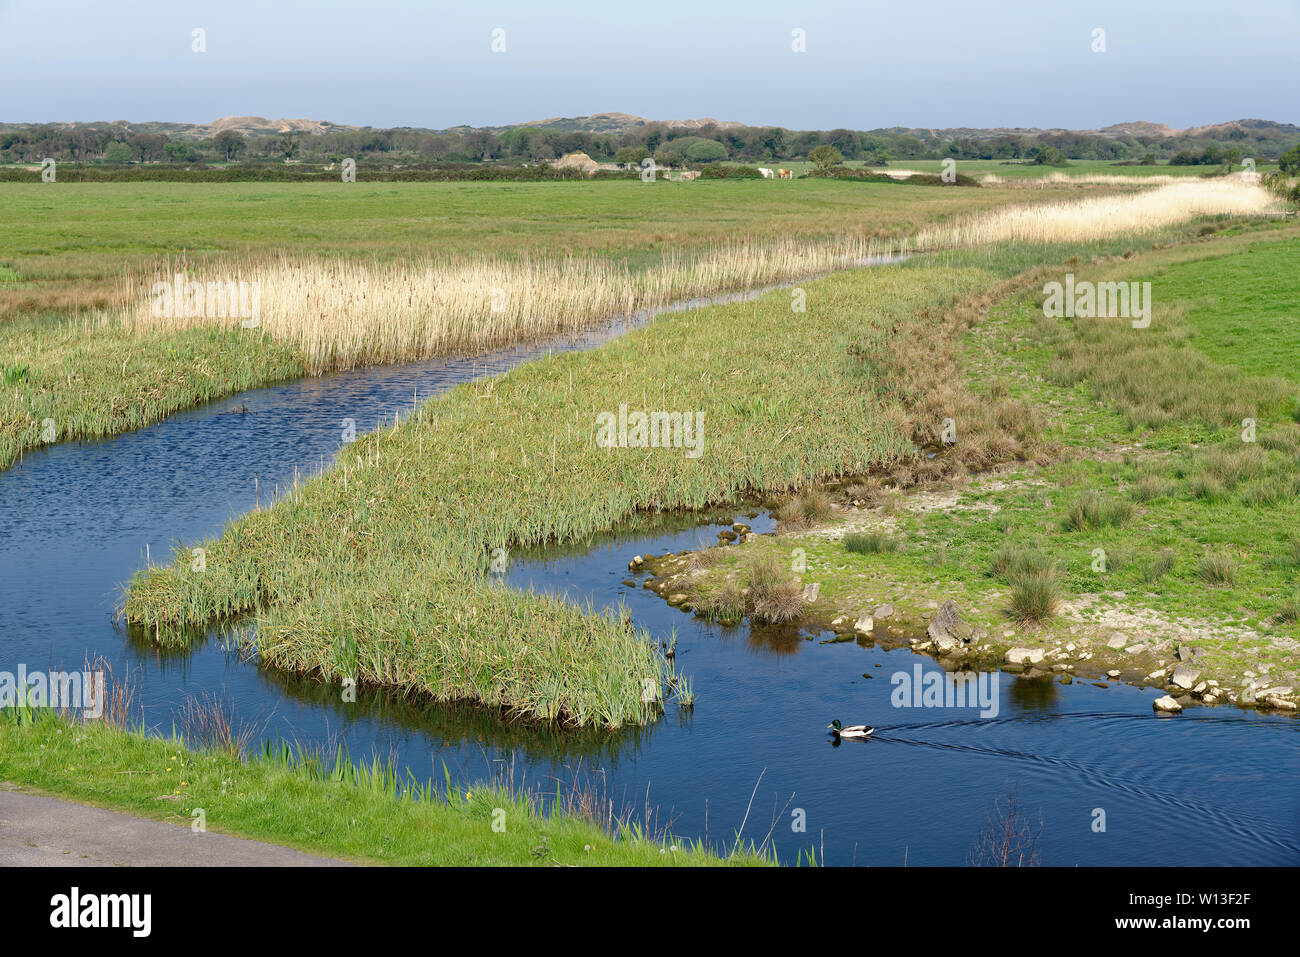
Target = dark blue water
(1210,786)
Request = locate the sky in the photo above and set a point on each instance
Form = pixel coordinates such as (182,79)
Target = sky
(865,64)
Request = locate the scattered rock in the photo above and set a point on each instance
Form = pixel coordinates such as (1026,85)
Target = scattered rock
(883,612)
(1117,640)
(1185,676)
(740,528)
(1024,656)
(949,631)
(864,625)
(636,562)
(1113,673)
(1166,703)
(1134,649)
(676,598)
(811,591)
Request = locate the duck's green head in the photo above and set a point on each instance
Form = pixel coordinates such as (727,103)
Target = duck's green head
(835,725)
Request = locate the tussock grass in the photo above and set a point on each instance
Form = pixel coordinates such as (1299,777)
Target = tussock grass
(1090,511)
(870,543)
(809,507)
(725,602)
(1158,566)
(1288,612)
(1103,217)
(1035,596)
(774,596)
(1217,569)
(1013,561)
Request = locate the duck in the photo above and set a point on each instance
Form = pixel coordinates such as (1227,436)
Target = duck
(852,731)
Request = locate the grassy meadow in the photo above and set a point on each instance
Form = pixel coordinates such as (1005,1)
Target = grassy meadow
(1158,516)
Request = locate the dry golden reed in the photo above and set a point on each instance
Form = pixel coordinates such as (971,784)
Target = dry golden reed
(341,313)
(1102,217)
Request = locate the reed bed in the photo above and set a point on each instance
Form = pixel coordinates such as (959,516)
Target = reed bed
(1102,217)
(1059,178)
(341,313)
(379,568)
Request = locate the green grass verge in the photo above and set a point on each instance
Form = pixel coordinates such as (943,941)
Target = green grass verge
(338,809)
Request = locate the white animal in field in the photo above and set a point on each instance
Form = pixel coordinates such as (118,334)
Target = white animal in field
(767,173)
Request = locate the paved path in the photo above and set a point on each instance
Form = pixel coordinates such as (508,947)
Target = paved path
(38,831)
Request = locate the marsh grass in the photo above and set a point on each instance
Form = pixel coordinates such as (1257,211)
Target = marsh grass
(774,596)
(870,543)
(375,569)
(810,507)
(1035,595)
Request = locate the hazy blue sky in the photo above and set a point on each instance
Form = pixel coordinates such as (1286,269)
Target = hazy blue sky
(868,63)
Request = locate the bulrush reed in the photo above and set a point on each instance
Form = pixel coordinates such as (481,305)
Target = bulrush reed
(1103,217)
(341,313)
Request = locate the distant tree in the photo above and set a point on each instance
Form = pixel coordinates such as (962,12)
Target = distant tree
(825,156)
(118,153)
(631,155)
(229,145)
(706,151)
(1289,162)
(286,146)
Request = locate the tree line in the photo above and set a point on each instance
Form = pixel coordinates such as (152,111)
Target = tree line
(669,146)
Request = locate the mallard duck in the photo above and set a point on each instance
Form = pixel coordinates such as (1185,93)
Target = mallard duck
(852,731)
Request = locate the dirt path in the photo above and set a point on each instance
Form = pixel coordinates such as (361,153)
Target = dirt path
(38,831)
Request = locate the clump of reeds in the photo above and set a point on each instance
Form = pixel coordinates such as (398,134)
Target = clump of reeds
(774,596)
(1158,566)
(341,313)
(808,508)
(1103,217)
(208,720)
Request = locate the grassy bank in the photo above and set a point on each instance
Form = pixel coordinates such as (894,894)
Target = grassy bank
(1165,521)
(78,379)
(358,811)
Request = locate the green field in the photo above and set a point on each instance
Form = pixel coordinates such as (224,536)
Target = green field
(62,236)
